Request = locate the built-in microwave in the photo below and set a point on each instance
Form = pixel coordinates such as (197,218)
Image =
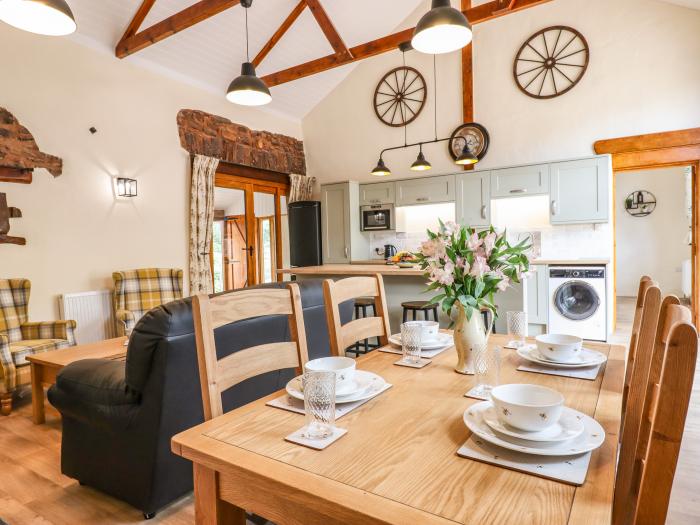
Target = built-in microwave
(377,217)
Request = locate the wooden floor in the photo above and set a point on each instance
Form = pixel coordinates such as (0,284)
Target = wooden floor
(33,491)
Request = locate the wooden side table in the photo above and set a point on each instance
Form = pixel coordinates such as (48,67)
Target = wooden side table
(45,366)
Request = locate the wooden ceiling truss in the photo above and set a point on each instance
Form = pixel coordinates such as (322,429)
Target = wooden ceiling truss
(135,40)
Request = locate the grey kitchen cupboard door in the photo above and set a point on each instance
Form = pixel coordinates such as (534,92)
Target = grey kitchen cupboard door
(580,191)
(472,200)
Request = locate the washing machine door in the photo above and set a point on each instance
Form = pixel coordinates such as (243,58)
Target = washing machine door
(576,300)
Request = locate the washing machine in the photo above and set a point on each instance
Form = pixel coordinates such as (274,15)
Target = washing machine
(577,301)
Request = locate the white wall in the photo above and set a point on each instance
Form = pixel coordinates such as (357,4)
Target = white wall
(77,233)
(643,77)
(666,230)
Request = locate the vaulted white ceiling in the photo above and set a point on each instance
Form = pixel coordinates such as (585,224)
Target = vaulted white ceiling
(694,4)
(210,53)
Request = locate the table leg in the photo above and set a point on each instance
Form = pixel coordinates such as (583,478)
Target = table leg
(37,396)
(208,508)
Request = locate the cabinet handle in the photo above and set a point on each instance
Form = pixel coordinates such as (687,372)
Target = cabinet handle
(553,207)
(483,211)
(422,199)
(346,252)
(519,190)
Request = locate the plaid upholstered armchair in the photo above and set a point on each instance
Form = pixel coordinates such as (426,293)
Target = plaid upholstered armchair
(137,291)
(20,338)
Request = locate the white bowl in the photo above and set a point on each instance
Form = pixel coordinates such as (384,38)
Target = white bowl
(430,330)
(559,347)
(344,368)
(527,407)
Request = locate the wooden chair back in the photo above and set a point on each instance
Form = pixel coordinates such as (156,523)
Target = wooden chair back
(645,477)
(210,313)
(344,336)
(635,388)
(644,284)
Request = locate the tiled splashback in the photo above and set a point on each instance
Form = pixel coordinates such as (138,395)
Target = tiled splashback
(580,241)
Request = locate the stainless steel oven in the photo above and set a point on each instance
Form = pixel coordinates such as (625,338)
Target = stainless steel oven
(377,217)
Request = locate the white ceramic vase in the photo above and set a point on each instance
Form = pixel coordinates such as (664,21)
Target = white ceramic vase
(468,334)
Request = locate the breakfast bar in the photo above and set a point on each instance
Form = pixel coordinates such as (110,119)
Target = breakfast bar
(400,284)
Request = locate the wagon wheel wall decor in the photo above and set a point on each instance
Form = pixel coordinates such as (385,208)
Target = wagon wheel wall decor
(551,62)
(400,96)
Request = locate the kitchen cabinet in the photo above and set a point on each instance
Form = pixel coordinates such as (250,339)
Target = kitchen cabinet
(537,289)
(472,202)
(379,193)
(341,237)
(520,181)
(425,190)
(580,191)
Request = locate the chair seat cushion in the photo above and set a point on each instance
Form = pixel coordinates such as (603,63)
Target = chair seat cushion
(21,349)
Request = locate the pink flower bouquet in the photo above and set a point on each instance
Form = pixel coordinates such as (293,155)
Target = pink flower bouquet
(470,267)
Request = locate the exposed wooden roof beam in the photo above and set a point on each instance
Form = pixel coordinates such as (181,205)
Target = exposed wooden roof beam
(476,15)
(328,28)
(277,36)
(173,24)
(138,19)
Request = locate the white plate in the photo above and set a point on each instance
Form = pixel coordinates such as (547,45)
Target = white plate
(442,341)
(568,427)
(591,438)
(369,384)
(587,357)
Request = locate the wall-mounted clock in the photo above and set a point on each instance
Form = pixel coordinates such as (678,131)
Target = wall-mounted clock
(551,62)
(400,96)
(476,137)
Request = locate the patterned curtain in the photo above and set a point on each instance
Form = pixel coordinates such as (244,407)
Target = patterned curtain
(201,220)
(301,187)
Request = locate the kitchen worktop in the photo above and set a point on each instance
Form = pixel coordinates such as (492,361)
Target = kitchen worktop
(351,269)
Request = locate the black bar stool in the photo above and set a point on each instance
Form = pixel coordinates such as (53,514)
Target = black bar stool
(419,306)
(361,305)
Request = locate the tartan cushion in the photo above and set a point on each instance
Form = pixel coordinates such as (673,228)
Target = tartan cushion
(140,290)
(20,351)
(14,298)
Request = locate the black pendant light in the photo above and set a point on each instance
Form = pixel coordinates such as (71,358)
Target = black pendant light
(466,158)
(248,89)
(441,30)
(43,17)
(421,164)
(380,170)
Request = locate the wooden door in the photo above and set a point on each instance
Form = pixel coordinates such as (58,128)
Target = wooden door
(244,237)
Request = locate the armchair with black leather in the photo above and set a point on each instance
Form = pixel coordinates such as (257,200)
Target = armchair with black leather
(119,418)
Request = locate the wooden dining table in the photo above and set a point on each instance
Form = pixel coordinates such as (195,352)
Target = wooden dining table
(398,462)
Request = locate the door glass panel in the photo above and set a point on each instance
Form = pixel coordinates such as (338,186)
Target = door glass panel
(229,205)
(217,259)
(265,227)
(576,300)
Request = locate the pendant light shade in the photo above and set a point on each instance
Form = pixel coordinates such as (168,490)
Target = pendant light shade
(441,30)
(248,89)
(421,164)
(43,17)
(466,158)
(380,169)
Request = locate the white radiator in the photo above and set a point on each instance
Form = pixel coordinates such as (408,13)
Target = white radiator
(94,313)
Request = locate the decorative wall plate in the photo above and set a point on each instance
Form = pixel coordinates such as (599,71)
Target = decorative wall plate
(551,62)
(640,203)
(476,136)
(400,96)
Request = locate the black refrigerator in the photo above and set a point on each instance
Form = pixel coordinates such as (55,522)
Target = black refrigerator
(305,233)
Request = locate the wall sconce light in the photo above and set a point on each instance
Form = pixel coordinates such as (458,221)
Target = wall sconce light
(126,187)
